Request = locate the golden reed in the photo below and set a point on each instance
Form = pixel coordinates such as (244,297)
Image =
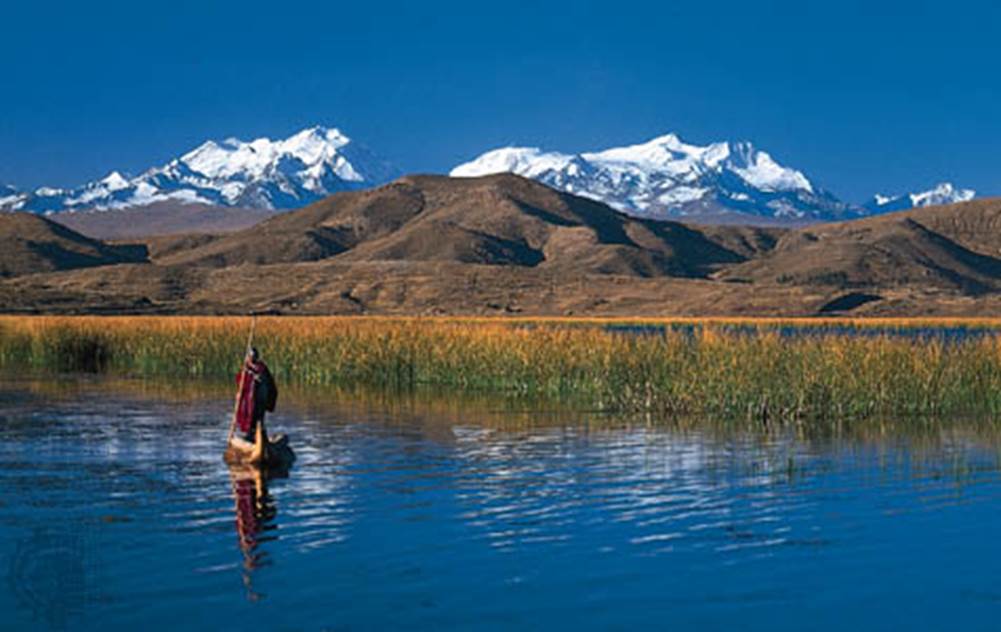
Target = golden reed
(768,370)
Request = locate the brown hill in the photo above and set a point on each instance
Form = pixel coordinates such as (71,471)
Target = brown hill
(950,248)
(29,244)
(975,225)
(161,218)
(495,220)
(505,245)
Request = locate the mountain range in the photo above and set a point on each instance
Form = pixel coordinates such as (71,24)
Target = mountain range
(943,193)
(263,174)
(669,178)
(723,182)
(504,244)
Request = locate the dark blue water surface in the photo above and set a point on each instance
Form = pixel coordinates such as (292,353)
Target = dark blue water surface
(117,513)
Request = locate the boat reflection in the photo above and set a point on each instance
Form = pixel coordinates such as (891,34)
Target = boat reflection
(256,514)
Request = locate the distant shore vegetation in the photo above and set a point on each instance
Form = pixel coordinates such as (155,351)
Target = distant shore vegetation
(762,370)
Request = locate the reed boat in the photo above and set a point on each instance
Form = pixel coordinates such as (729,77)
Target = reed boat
(263,452)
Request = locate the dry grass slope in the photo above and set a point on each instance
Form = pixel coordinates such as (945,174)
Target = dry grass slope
(161,218)
(947,248)
(497,220)
(29,243)
(506,245)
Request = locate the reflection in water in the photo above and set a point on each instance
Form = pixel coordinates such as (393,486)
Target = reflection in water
(435,513)
(256,512)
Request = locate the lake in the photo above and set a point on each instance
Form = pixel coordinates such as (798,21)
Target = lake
(416,512)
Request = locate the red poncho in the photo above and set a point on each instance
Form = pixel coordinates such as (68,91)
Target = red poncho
(245,409)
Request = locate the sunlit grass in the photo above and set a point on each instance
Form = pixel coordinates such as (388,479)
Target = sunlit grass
(709,366)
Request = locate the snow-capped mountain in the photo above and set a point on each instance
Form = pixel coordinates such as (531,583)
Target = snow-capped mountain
(662,178)
(9,195)
(943,193)
(667,177)
(263,173)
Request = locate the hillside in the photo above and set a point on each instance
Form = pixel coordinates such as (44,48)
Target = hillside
(495,220)
(31,244)
(161,218)
(946,247)
(503,244)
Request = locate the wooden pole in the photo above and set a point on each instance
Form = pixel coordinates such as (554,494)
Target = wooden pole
(243,375)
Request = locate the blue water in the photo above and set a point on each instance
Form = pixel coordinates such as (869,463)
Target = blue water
(117,513)
(943,334)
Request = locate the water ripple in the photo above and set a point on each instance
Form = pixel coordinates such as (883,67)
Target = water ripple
(409,520)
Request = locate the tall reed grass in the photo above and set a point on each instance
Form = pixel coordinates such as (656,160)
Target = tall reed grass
(707,367)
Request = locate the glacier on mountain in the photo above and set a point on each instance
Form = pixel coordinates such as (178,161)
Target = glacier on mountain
(661,178)
(667,177)
(942,193)
(10,196)
(263,173)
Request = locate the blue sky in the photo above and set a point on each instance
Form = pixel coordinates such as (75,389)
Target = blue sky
(863,96)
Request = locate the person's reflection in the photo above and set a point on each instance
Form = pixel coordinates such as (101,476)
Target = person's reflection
(255,516)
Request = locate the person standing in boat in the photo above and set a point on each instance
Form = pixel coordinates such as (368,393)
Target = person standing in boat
(258,395)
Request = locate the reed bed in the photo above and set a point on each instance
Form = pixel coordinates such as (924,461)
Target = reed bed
(726,368)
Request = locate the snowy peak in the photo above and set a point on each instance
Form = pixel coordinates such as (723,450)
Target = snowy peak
(667,177)
(114,181)
(262,173)
(664,177)
(942,193)
(316,146)
(762,171)
(527,161)
(660,154)
(11,197)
